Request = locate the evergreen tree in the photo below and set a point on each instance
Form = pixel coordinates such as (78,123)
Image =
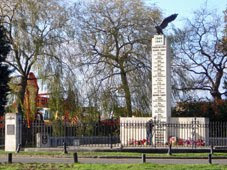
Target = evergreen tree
(4,71)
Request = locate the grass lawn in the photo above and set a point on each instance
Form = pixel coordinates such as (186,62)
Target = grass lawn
(97,154)
(146,166)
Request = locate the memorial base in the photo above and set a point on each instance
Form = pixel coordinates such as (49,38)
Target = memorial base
(150,131)
(12,131)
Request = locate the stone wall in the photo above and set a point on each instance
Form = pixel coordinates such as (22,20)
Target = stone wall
(186,130)
(133,130)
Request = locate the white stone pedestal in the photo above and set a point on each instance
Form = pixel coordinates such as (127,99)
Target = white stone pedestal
(133,130)
(12,131)
(42,140)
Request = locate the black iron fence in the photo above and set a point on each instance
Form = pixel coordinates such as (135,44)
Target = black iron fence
(178,134)
(85,134)
(125,134)
(41,134)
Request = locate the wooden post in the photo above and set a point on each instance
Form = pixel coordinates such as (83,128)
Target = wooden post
(210,159)
(75,157)
(10,158)
(143,158)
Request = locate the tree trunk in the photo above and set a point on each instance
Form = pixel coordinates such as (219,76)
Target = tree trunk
(216,95)
(127,91)
(21,94)
(215,92)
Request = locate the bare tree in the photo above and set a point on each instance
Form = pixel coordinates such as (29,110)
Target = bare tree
(35,31)
(200,62)
(114,40)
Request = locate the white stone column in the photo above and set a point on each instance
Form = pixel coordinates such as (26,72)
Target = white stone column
(161,85)
(12,131)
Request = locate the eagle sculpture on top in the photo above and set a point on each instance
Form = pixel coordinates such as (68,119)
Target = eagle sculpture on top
(165,22)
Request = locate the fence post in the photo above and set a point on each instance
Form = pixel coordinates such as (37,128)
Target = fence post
(111,129)
(75,157)
(18,148)
(110,140)
(65,148)
(10,158)
(211,149)
(64,143)
(143,158)
(210,159)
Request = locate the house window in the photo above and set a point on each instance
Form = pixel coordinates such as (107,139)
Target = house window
(46,115)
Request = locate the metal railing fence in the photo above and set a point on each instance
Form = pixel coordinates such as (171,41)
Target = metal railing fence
(127,134)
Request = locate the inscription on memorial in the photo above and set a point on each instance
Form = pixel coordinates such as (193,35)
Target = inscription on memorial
(10,129)
(159,76)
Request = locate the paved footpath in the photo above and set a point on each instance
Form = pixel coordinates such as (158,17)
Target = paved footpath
(112,161)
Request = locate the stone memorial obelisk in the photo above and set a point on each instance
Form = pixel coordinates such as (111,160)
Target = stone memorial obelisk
(161,85)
